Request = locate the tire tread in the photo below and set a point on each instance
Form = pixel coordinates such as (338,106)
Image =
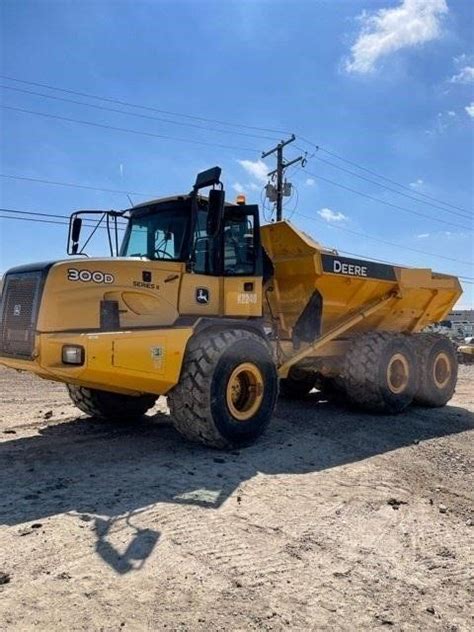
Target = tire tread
(190,400)
(361,370)
(108,406)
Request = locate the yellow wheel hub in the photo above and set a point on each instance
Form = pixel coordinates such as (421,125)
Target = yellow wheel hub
(398,373)
(244,391)
(441,370)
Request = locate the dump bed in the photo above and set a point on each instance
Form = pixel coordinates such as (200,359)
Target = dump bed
(303,268)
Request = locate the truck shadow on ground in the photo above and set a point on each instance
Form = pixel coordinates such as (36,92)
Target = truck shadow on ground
(84,467)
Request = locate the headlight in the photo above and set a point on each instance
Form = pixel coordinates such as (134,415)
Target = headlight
(73,354)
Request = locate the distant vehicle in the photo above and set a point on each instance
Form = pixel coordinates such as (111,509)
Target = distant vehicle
(466,351)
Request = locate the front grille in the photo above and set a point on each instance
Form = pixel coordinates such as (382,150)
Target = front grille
(19,310)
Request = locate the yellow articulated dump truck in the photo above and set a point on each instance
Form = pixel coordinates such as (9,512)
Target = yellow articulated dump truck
(201,304)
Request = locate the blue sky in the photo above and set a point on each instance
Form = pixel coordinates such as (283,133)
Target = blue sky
(386,84)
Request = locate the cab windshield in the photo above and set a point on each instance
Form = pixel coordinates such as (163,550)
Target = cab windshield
(161,234)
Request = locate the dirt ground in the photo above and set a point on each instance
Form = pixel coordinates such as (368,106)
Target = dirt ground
(333,521)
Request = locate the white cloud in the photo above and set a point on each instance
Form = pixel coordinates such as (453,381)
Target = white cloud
(238,188)
(452,235)
(443,122)
(460,59)
(257,169)
(386,31)
(331,216)
(417,184)
(310,182)
(465,75)
(470,109)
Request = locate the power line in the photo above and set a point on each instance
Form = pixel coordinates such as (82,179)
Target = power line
(463,279)
(378,175)
(375,199)
(31,219)
(74,185)
(136,114)
(225,123)
(54,215)
(410,197)
(34,214)
(10,210)
(51,221)
(399,265)
(144,107)
(128,130)
(102,189)
(218,145)
(383,241)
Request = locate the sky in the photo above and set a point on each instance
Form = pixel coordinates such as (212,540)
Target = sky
(384,88)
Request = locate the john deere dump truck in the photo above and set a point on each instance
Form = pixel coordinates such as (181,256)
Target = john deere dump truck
(201,304)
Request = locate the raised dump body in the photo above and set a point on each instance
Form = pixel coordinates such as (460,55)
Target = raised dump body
(303,267)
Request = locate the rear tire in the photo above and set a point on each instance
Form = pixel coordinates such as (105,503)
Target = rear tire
(438,370)
(107,406)
(227,390)
(380,372)
(297,385)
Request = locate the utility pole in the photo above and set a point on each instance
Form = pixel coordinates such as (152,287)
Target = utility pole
(279,192)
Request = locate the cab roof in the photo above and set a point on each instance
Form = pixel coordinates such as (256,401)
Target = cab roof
(171,198)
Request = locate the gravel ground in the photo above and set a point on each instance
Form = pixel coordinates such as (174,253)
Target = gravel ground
(335,520)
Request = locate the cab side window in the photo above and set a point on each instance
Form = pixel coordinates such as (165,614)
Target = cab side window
(239,245)
(203,247)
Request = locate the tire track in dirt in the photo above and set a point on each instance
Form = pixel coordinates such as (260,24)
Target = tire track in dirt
(295,532)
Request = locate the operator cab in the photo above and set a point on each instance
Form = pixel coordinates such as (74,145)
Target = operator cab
(179,229)
(208,235)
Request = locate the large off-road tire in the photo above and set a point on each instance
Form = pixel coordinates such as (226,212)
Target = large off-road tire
(227,390)
(107,406)
(297,385)
(437,368)
(380,372)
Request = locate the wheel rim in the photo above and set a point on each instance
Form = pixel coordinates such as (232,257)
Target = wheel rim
(244,391)
(398,373)
(441,370)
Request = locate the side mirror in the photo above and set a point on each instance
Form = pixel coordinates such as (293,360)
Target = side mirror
(75,234)
(207,178)
(215,213)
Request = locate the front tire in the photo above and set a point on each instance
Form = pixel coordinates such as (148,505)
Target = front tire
(107,406)
(227,390)
(380,372)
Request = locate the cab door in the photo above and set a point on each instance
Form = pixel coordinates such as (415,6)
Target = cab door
(241,261)
(201,284)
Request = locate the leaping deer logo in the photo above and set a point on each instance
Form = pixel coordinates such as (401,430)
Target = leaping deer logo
(202,295)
